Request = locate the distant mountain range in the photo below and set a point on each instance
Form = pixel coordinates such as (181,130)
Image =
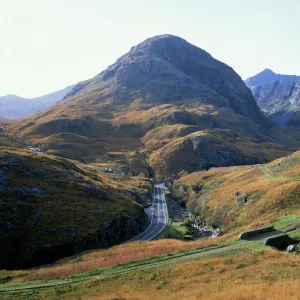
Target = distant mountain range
(267,76)
(278,96)
(12,106)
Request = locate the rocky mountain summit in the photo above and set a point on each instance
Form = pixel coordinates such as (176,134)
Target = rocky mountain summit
(278,96)
(267,76)
(167,68)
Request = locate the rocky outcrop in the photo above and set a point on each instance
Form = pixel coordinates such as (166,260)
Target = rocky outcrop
(168,68)
(267,76)
(278,96)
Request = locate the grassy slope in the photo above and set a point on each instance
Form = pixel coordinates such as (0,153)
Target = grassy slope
(168,276)
(158,131)
(271,190)
(254,275)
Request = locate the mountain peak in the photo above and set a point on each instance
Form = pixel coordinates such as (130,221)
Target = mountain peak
(165,46)
(160,39)
(166,68)
(267,71)
(267,76)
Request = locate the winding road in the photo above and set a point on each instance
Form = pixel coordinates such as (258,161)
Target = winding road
(159,217)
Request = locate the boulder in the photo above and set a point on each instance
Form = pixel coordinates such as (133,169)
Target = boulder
(291,248)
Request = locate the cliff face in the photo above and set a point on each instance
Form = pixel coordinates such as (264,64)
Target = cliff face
(278,96)
(50,208)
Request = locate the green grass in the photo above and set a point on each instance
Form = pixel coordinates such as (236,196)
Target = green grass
(272,176)
(287,223)
(268,174)
(175,230)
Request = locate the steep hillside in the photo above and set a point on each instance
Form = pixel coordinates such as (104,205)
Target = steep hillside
(51,208)
(278,96)
(12,106)
(236,197)
(151,100)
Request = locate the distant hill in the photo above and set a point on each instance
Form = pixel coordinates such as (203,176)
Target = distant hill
(12,106)
(167,103)
(278,97)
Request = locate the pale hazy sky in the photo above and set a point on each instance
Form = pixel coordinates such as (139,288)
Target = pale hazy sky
(49,44)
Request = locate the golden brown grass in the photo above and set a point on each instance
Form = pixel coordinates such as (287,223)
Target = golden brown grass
(91,260)
(256,275)
(273,190)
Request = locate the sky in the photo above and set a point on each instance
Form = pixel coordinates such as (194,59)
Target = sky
(46,45)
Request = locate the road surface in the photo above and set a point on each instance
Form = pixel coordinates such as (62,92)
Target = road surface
(159,216)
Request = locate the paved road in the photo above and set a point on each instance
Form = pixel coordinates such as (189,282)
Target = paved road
(159,218)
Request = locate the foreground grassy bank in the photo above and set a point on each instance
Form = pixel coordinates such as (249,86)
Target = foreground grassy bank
(225,256)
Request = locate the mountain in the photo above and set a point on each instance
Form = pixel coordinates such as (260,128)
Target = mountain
(267,76)
(278,96)
(12,106)
(165,106)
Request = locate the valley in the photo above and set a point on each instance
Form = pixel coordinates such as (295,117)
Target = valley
(102,194)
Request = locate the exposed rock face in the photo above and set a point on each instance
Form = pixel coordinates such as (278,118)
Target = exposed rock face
(168,68)
(278,96)
(267,76)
